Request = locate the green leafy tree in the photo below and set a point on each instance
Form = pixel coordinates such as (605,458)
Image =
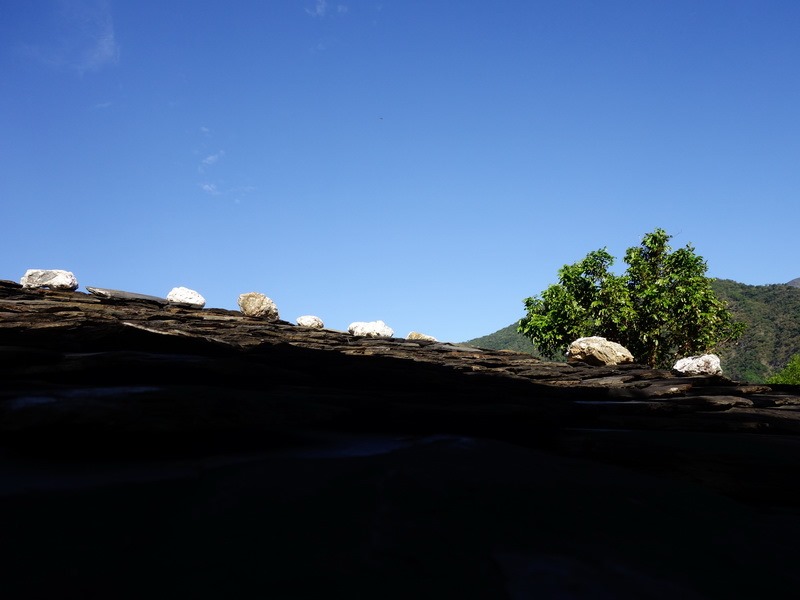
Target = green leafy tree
(789,374)
(661,308)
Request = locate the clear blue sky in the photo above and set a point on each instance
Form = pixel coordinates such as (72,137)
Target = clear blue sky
(423,162)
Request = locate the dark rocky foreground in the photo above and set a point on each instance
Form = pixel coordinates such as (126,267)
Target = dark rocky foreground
(148,450)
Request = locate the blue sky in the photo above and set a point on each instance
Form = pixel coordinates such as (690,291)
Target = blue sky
(427,163)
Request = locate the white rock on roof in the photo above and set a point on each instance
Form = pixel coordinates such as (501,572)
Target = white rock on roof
(310,321)
(55,279)
(707,364)
(256,304)
(186,297)
(370,329)
(415,335)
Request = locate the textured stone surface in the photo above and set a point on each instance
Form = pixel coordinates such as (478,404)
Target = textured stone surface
(55,279)
(201,453)
(185,297)
(707,364)
(598,351)
(310,321)
(370,329)
(255,304)
(87,334)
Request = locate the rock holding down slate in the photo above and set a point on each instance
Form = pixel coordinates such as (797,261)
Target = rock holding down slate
(186,298)
(55,279)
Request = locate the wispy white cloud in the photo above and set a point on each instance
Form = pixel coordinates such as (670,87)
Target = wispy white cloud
(209,160)
(103,48)
(319,10)
(86,38)
(212,158)
(234,193)
(216,185)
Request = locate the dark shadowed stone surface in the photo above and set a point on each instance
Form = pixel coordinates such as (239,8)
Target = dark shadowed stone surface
(154,451)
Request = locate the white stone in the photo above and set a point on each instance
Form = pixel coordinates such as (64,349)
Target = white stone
(310,321)
(415,335)
(186,297)
(254,304)
(372,329)
(598,351)
(707,364)
(55,279)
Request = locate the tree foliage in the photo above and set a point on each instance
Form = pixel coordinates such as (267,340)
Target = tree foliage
(789,374)
(661,308)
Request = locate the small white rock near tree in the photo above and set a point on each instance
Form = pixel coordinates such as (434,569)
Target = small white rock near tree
(597,350)
(707,364)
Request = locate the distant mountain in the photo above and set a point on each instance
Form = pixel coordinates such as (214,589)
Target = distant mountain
(506,338)
(772,315)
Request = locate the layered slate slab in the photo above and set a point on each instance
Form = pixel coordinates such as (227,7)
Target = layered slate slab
(202,453)
(97,333)
(125,296)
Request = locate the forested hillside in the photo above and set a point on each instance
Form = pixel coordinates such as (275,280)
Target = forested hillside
(506,338)
(772,315)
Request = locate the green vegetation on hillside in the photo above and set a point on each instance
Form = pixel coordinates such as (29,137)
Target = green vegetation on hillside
(771,337)
(506,338)
(790,374)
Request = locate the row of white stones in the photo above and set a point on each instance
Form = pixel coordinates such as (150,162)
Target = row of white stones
(252,304)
